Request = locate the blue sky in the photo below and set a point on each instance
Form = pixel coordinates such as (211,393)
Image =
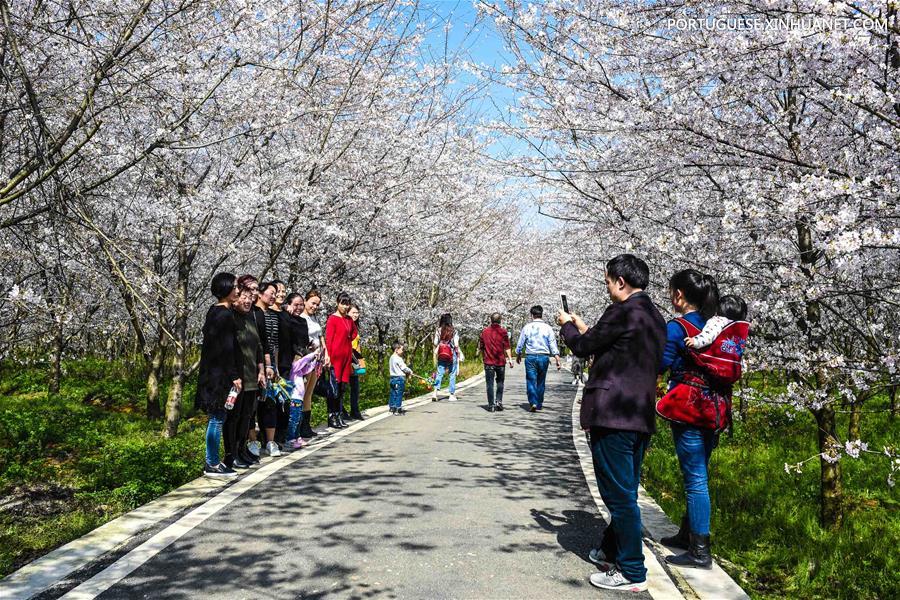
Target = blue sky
(474,39)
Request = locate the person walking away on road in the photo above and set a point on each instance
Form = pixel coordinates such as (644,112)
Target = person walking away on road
(493,345)
(253,378)
(311,303)
(339,331)
(358,365)
(695,297)
(538,341)
(618,409)
(219,370)
(399,371)
(447,356)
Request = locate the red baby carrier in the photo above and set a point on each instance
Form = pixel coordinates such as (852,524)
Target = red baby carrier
(702,397)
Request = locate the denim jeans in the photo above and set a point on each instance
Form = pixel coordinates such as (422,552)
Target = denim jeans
(492,372)
(535,376)
(694,447)
(214,436)
(618,456)
(444,368)
(295,419)
(398,385)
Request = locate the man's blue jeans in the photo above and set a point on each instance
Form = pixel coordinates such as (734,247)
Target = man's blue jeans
(439,375)
(398,385)
(694,447)
(618,456)
(535,376)
(214,436)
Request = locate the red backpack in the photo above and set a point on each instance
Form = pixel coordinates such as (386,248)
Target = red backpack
(445,351)
(702,398)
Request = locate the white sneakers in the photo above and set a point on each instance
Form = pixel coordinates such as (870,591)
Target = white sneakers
(272,449)
(614,580)
(598,557)
(452,398)
(254,447)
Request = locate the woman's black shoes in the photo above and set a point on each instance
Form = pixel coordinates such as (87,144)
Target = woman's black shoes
(306,430)
(356,415)
(681,539)
(697,556)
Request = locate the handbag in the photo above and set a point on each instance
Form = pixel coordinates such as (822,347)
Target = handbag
(326,385)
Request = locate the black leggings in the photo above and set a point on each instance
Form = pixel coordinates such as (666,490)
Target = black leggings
(237,423)
(337,404)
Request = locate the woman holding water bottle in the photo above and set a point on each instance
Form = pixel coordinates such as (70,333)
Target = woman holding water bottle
(219,381)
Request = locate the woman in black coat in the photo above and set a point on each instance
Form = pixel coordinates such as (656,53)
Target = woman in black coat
(220,369)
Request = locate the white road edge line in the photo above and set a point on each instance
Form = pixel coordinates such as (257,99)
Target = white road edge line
(659,584)
(127,564)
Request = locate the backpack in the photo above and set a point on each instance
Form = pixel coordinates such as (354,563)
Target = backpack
(702,397)
(445,350)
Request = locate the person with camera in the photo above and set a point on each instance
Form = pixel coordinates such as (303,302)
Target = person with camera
(618,409)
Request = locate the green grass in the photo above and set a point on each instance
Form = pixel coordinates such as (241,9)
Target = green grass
(75,460)
(766,521)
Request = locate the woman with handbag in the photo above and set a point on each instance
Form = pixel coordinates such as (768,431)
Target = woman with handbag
(695,297)
(358,366)
(340,330)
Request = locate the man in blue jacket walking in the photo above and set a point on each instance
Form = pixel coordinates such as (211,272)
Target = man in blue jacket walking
(618,409)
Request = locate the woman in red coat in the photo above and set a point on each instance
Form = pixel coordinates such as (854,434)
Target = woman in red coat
(340,330)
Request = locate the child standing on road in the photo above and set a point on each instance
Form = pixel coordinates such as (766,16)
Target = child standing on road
(399,373)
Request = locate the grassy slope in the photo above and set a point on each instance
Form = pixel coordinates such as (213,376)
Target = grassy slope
(766,520)
(71,462)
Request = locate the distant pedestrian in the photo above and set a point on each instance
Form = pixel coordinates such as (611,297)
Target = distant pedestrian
(399,371)
(494,348)
(220,369)
(538,341)
(447,356)
(618,408)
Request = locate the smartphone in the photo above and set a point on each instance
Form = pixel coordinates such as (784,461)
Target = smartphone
(565,302)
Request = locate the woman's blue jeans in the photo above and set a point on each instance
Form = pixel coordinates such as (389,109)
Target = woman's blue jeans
(451,369)
(214,436)
(694,447)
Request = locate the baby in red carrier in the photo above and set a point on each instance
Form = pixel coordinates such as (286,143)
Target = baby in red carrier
(702,397)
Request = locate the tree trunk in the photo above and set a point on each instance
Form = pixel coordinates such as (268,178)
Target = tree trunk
(56,353)
(894,408)
(831,496)
(853,427)
(154,374)
(173,404)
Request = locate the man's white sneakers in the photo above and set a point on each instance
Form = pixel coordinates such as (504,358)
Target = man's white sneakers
(614,580)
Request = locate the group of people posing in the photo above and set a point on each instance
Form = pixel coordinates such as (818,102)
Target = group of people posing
(262,354)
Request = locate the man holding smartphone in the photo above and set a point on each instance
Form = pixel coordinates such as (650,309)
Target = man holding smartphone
(618,409)
(538,340)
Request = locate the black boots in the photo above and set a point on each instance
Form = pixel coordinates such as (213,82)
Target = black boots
(335,421)
(698,554)
(680,539)
(306,430)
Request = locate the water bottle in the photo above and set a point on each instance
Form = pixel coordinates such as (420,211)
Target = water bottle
(232,397)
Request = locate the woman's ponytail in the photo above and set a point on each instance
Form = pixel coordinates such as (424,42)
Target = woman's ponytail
(710,306)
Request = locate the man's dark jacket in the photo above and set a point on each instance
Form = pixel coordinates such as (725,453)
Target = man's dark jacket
(627,344)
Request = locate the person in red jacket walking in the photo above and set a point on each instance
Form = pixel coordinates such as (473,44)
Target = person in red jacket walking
(340,330)
(493,346)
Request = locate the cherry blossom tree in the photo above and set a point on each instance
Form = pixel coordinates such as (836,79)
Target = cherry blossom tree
(754,141)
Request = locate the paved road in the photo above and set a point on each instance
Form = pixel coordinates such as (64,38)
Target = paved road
(449,501)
